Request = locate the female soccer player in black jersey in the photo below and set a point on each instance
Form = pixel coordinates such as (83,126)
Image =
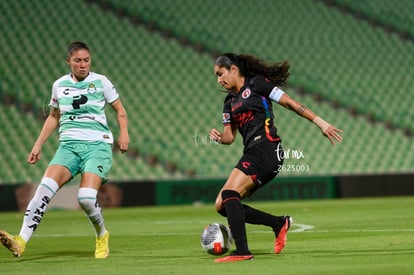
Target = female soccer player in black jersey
(252,85)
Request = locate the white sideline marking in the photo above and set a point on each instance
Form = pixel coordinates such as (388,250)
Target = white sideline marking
(364,230)
(304,228)
(301,227)
(296,228)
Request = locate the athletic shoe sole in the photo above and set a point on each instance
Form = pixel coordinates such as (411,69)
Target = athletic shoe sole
(234,258)
(10,242)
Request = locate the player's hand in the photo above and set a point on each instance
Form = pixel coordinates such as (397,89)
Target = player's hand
(123,143)
(34,155)
(215,135)
(333,135)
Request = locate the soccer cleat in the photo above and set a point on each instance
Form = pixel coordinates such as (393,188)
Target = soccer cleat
(234,258)
(281,237)
(102,246)
(16,244)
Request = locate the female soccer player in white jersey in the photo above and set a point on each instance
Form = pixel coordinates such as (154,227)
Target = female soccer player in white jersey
(77,107)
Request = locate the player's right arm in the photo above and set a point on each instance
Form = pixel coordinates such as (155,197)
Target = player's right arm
(226,137)
(50,125)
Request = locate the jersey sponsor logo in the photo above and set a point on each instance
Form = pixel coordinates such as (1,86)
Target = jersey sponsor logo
(78,101)
(236,106)
(66,91)
(226,118)
(82,117)
(246,93)
(243,118)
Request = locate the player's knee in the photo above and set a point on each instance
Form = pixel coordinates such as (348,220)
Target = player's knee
(224,195)
(87,198)
(219,207)
(219,203)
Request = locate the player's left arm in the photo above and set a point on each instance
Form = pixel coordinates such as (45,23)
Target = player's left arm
(331,132)
(122,118)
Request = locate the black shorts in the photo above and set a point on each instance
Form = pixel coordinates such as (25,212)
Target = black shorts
(262,162)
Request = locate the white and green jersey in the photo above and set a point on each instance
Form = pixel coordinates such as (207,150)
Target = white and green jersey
(81,105)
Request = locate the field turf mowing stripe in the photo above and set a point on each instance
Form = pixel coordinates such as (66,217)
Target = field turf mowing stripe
(348,236)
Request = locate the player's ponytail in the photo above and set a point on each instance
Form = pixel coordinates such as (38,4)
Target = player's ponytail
(277,73)
(250,66)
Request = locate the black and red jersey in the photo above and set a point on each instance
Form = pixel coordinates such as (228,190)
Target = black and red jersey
(250,110)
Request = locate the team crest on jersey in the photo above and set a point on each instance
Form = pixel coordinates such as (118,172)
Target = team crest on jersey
(246,93)
(91,88)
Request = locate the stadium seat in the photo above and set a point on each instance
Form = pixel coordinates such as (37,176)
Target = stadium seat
(169,89)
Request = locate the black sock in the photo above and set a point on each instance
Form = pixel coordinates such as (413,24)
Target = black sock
(222,212)
(254,216)
(236,220)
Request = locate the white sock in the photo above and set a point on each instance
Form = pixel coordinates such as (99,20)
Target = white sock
(37,207)
(89,204)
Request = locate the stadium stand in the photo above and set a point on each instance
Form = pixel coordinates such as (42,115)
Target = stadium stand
(159,55)
(394,15)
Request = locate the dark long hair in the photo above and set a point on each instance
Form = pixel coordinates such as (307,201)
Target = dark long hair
(74,46)
(250,66)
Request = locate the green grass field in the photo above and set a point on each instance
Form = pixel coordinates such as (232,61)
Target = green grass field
(352,236)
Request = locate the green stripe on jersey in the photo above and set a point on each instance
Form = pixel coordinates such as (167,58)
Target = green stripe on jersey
(93,98)
(91,125)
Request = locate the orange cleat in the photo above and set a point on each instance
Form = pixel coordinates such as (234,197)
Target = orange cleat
(280,241)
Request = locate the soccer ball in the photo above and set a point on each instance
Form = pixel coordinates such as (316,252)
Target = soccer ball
(216,239)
